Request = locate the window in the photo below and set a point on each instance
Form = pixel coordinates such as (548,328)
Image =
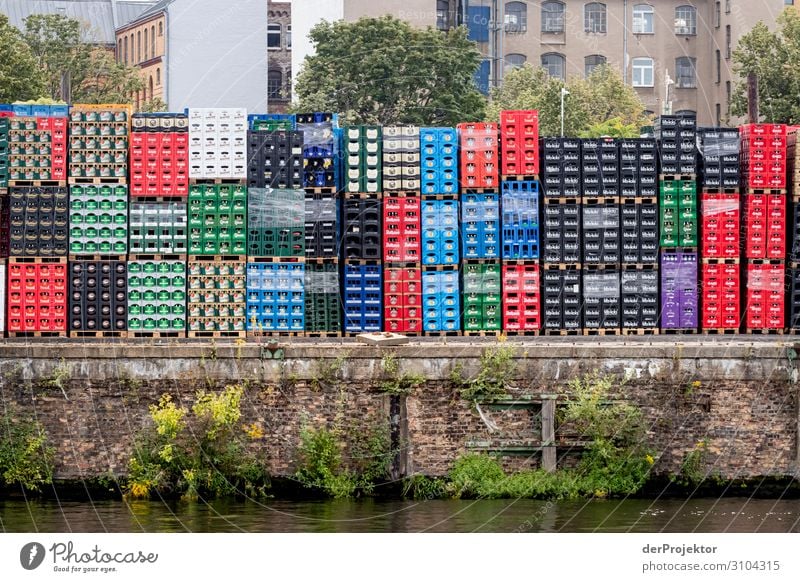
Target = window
(719,66)
(594,18)
(515,60)
(150,85)
(685,70)
(160,28)
(717,16)
(153,41)
(718,114)
(274,84)
(553,16)
(288,36)
(728,41)
(727,6)
(643,19)
(158,76)
(126,49)
(554,63)
(591,62)
(443,14)
(686,20)
(139,47)
(788,2)
(119,50)
(516,17)
(643,72)
(728,93)
(274,36)
(146,45)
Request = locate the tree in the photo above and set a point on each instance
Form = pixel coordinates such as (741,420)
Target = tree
(599,105)
(382,70)
(774,57)
(20,77)
(94,75)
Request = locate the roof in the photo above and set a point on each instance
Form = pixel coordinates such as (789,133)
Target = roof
(155,8)
(103,16)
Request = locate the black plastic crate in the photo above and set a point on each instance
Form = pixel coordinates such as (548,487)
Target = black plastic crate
(98,296)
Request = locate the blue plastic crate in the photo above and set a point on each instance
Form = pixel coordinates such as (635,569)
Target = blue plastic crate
(21,110)
(40,110)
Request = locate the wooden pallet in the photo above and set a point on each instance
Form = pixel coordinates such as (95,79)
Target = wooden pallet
(453,333)
(485,333)
(439,268)
(212,181)
(639,331)
(327,190)
(672,177)
(176,199)
(602,331)
(29,334)
(526,333)
(719,190)
(97,334)
(721,331)
(639,267)
(560,200)
(361,195)
(589,267)
(288,260)
(156,334)
(217,258)
(519,177)
(775,262)
(323,334)
(779,191)
(439,196)
(370,262)
(562,332)
(561,266)
(725,261)
(276,333)
(668,331)
(96,180)
(37,183)
(598,200)
(98,257)
(638,199)
(37,260)
(400,194)
(764,331)
(215,334)
(480,190)
(322,260)
(144,257)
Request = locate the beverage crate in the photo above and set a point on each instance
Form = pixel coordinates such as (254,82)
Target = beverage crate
(440,245)
(3,294)
(441,299)
(159,155)
(602,301)
(677,145)
(402,168)
(36,149)
(98,143)
(793,298)
(720,220)
(519,143)
(678,213)
(600,168)
(5,225)
(479,159)
(157,229)
(721,282)
(794,232)
(679,291)
(561,167)
(639,299)
(98,220)
(765,226)
(764,155)
(481,296)
(638,159)
(36,296)
(401,229)
(718,150)
(276,297)
(522,302)
(322,222)
(157,298)
(439,160)
(217,219)
(363,159)
(561,235)
(4,128)
(480,226)
(323,300)
(765,301)
(98,298)
(402,298)
(218,143)
(362,228)
(602,240)
(520,220)
(321,166)
(640,234)
(275,223)
(362,291)
(270,122)
(38,221)
(275,160)
(562,299)
(216,299)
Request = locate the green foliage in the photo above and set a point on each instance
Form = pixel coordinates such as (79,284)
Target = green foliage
(692,471)
(602,102)
(204,453)
(497,367)
(775,59)
(393,382)
(320,462)
(420,487)
(328,373)
(20,76)
(384,71)
(58,379)
(26,457)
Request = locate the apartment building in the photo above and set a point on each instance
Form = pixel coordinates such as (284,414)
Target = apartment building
(675,53)
(279,56)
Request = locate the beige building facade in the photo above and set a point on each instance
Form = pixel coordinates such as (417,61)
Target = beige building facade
(675,53)
(142,44)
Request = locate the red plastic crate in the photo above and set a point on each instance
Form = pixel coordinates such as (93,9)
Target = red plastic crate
(519,142)
(157,155)
(762,129)
(765,306)
(402,241)
(402,299)
(765,226)
(720,220)
(721,286)
(37,296)
(521,297)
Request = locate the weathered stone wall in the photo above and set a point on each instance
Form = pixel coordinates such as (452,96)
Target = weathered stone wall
(745,404)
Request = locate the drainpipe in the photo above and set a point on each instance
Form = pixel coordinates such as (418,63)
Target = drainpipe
(625,41)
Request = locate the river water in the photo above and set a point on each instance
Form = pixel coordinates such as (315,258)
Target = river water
(631,515)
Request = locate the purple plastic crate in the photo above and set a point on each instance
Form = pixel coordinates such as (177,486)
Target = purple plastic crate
(679,293)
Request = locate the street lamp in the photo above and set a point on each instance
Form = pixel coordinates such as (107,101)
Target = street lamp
(564,93)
